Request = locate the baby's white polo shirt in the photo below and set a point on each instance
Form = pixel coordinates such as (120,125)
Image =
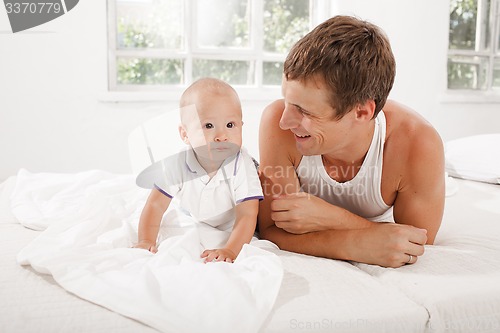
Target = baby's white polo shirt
(210,201)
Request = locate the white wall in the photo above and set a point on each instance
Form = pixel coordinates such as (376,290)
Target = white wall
(52,79)
(418,31)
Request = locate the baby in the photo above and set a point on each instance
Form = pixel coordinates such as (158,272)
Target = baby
(214,181)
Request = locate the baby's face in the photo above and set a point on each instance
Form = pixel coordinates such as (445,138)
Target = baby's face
(214,127)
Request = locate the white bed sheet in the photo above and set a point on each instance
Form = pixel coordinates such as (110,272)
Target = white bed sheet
(458,278)
(32,302)
(453,280)
(89,222)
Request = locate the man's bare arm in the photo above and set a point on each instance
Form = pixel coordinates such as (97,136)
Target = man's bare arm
(421,194)
(361,240)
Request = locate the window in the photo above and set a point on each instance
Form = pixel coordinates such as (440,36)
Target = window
(155,44)
(474,45)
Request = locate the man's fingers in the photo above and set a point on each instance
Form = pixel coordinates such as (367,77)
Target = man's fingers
(279,216)
(285,202)
(279,205)
(280,225)
(290,195)
(418,236)
(409,259)
(415,250)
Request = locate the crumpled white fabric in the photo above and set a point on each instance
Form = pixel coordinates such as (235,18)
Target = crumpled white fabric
(90,221)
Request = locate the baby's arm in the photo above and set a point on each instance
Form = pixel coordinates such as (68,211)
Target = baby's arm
(243,230)
(149,223)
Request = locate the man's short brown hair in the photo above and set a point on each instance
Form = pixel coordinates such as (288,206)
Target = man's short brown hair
(352,56)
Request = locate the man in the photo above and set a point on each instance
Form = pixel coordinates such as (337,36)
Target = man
(334,164)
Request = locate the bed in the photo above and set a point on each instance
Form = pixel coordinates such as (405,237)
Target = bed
(454,287)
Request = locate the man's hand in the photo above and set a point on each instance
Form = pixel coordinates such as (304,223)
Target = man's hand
(300,213)
(388,244)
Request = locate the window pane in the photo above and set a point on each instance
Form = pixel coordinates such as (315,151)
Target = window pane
(285,22)
(273,72)
(463,16)
(233,72)
(498,42)
(223,23)
(467,72)
(496,74)
(149,71)
(485,34)
(149,24)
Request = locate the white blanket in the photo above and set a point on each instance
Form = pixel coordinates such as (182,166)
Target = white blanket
(457,279)
(91,221)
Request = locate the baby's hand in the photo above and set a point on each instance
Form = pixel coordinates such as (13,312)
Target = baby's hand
(146,246)
(218,255)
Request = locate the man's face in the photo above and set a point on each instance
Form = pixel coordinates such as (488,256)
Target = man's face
(310,117)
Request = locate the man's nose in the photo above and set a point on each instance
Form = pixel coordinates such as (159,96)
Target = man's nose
(290,118)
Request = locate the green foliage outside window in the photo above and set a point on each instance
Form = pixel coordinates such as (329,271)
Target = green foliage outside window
(285,22)
(144,70)
(149,71)
(273,73)
(233,72)
(472,62)
(463,16)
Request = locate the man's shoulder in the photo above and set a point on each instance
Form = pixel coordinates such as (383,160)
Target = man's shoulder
(270,130)
(406,124)
(276,143)
(408,133)
(272,112)
(413,149)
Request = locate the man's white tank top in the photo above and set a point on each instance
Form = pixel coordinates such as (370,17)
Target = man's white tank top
(362,194)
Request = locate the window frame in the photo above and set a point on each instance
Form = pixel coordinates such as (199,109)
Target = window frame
(319,11)
(490,93)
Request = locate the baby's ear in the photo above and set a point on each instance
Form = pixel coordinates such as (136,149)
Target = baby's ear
(183,134)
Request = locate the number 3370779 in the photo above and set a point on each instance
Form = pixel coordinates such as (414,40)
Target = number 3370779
(33,7)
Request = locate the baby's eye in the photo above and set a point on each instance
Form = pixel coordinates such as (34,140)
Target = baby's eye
(209,125)
(230,125)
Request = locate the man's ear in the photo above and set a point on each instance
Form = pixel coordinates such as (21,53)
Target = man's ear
(366,110)
(183,134)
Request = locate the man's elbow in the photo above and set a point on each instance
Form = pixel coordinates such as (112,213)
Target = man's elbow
(267,230)
(431,237)
(263,230)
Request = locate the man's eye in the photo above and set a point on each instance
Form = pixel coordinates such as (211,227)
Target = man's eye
(230,125)
(209,125)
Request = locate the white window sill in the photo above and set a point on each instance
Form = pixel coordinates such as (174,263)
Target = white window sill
(173,95)
(473,97)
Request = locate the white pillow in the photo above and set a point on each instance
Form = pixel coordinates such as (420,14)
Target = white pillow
(474,157)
